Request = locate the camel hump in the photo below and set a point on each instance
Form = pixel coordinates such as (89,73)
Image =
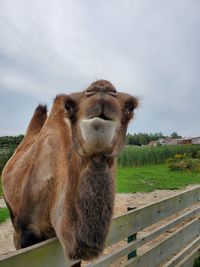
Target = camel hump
(37,121)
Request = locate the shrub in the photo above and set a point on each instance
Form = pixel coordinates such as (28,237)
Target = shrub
(184,162)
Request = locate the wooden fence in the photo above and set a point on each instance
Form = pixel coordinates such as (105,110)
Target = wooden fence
(171,229)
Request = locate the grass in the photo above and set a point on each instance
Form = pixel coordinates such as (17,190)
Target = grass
(4,214)
(149,178)
(152,177)
(141,169)
(140,156)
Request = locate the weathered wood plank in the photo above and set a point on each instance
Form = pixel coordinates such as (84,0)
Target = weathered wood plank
(168,247)
(46,254)
(136,220)
(154,233)
(106,260)
(183,255)
(188,261)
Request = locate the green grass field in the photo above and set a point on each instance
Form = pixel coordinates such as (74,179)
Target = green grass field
(149,178)
(4,214)
(143,179)
(152,177)
(140,169)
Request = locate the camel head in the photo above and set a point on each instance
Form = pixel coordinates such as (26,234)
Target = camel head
(99,117)
(69,182)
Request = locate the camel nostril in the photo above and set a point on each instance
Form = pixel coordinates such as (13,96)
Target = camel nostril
(89,93)
(102,87)
(102,91)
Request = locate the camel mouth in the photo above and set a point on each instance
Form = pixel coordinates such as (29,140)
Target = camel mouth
(104,117)
(98,132)
(99,123)
(102,109)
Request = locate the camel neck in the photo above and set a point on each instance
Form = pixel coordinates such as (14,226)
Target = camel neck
(93,207)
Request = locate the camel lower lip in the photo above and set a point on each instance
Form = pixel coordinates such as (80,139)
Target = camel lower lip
(98,131)
(101,119)
(97,122)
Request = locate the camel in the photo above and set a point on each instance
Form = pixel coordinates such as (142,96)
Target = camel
(60,180)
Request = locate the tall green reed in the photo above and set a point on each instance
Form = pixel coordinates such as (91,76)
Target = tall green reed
(139,156)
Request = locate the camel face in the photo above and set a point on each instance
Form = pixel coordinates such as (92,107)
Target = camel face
(99,117)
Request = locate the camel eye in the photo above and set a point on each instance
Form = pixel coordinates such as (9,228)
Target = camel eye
(70,107)
(129,107)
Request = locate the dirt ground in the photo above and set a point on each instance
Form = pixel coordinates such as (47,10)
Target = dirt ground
(122,201)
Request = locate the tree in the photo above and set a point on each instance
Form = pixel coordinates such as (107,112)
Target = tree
(175,135)
(142,138)
(11,140)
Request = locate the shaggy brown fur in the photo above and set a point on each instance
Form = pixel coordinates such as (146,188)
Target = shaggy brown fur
(60,180)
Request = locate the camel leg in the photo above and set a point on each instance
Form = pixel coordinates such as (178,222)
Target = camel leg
(16,239)
(16,234)
(28,238)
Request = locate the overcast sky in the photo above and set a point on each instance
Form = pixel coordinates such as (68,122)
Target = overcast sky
(150,49)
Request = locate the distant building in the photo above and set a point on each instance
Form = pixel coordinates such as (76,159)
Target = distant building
(192,140)
(196,140)
(171,142)
(175,141)
(161,141)
(152,143)
(185,141)
(168,141)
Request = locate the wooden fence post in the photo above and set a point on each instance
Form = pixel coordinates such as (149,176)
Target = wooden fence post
(132,238)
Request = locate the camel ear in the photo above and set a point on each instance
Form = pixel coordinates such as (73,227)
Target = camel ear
(70,107)
(129,104)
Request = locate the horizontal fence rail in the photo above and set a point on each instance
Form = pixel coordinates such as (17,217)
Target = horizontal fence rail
(168,247)
(182,256)
(184,241)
